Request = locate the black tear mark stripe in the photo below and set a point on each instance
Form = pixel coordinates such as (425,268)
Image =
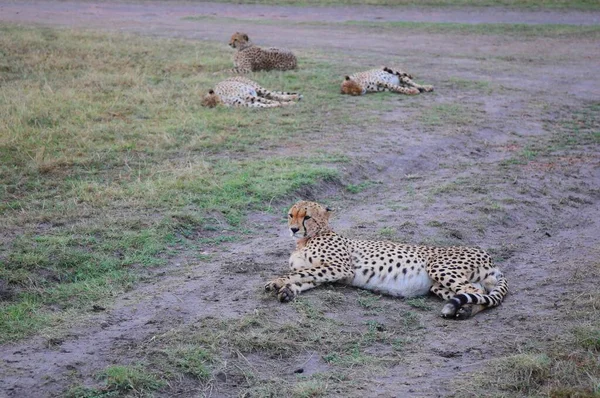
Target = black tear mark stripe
(304,226)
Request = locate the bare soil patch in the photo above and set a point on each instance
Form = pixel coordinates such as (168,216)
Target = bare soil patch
(154,12)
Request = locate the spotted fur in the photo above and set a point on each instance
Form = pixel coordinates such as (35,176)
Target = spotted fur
(240,91)
(382,79)
(250,58)
(464,276)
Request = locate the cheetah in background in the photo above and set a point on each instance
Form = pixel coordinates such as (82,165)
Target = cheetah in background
(251,58)
(382,79)
(465,276)
(240,91)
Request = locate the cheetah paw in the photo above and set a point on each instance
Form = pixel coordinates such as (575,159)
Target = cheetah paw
(464,312)
(274,285)
(449,311)
(286,294)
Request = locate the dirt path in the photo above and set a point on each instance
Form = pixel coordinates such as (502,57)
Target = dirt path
(73,12)
(543,219)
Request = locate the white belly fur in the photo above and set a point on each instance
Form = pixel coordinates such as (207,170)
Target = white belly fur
(403,286)
(392,79)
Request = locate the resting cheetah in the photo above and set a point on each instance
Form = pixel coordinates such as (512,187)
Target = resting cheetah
(250,58)
(464,276)
(239,91)
(382,79)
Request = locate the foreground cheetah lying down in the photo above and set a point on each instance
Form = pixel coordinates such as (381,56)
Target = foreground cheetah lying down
(239,91)
(465,276)
(249,57)
(382,79)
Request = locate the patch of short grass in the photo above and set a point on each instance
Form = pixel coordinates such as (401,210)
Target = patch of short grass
(119,381)
(369,301)
(496,29)
(500,29)
(566,365)
(360,187)
(190,360)
(256,353)
(580,127)
(446,114)
(469,85)
(419,303)
(129,378)
(309,389)
(386,233)
(573,128)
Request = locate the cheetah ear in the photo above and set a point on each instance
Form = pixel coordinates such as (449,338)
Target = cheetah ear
(246,37)
(347,78)
(211,91)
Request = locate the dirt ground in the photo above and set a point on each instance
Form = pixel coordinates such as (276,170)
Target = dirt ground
(541,220)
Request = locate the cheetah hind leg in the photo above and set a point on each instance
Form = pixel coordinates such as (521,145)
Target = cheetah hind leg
(405,81)
(278,95)
(399,89)
(259,102)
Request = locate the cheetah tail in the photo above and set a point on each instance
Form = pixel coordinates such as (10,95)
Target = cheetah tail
(493,299)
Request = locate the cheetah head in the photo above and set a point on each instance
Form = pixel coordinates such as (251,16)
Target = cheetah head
(352,87)
(211,99)
(239,40)
(306,219)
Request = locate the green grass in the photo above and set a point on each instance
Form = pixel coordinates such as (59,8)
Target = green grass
(120,381)
(466,84)
(444,114)
(573,128)
(358,188)
(220,348)
(419,303)
(387,233)
(496,29)
(501,29)
(566,365)
(108,161)
(576,4)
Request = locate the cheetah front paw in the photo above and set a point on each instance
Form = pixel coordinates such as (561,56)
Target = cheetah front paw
(274,285)
(286,294)
(413,91)
(426,89)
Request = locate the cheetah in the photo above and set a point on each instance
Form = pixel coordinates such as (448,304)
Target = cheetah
(382,79)
(464,276)
(240,91)
(251,58)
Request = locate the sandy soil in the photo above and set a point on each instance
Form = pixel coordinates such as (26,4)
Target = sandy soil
(153,12)
(546,235)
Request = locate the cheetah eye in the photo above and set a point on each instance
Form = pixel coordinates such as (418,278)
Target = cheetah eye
(307,217)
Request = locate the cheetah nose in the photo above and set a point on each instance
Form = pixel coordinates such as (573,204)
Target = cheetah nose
(294,230)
